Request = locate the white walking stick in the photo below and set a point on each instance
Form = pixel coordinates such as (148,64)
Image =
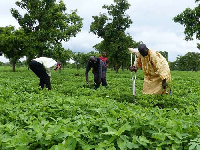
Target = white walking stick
(135,51)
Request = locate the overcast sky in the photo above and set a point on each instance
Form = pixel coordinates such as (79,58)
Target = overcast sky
(152,24)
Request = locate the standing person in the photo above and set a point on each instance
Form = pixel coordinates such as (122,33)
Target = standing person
(156,71)
(42,68)
(104,59)
(98,71)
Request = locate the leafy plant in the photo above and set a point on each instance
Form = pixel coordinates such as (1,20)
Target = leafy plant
(75,116)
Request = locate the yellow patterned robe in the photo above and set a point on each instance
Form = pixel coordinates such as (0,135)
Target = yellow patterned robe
(155,68)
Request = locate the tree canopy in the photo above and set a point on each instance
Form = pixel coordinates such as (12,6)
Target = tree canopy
(46,23)
(190,18)
(12,43)
(111,28)
(188,62)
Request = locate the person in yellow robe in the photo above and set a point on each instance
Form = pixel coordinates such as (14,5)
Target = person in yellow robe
(156,70)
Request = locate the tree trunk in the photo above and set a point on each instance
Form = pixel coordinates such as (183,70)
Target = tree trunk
(40,53)
(117,68)
(122,66)
(13,66)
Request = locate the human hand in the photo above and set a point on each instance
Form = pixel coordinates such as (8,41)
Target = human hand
(58,66)
(56,69)
(88,82)
(164,84)
(133,68)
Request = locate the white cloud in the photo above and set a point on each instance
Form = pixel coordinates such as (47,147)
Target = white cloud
(152,24)
(164,40)
(83,42)
(5,14)
(3,59)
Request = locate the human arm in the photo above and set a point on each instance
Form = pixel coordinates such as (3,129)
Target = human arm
(107,63)
(88,67)
(86,78)
(137,64)
(160,66)
(101,63)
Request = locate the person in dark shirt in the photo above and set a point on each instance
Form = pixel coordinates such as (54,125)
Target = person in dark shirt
(99,71)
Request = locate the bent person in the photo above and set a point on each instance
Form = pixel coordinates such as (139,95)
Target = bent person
(156,71)
(99,71)
(42,68)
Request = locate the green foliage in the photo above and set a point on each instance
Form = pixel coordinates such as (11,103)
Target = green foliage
(46,24)
(1,63)
(12,43)
(188,62)
(59,53)
(75,116)
(81,59)
(164,54)
(111,28)
(190,18)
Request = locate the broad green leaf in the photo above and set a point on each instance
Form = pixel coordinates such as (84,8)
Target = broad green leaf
(159,136)
(121,144)
(123,128)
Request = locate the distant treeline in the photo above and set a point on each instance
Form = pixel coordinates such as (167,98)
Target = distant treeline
(188,62)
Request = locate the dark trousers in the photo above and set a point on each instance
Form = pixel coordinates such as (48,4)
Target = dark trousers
(103,79)
(40,71)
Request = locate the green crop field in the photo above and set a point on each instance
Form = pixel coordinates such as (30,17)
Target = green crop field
(73,116)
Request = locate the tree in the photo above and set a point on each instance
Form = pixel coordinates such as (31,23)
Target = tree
(188,62)
(164,54)
(1,63)
(190,18)
(58,53)
(81,59)
(12,43)
(174,65)
(46,23)
(111,28)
